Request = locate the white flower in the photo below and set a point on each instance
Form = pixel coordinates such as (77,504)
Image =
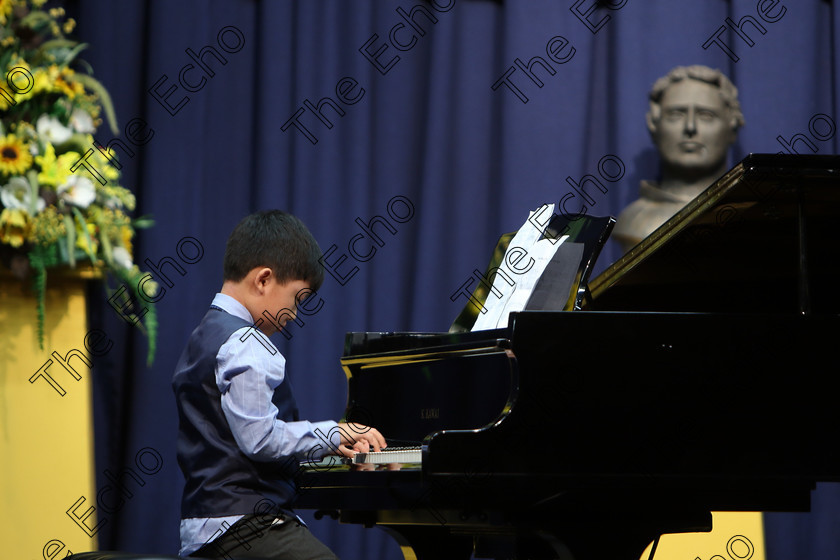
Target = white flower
(52,130)
(78,191)
(81,121)
(18,194)
(122,257)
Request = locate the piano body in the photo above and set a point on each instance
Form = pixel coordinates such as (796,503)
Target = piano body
(693,380)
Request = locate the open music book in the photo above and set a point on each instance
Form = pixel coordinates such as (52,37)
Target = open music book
(522,266)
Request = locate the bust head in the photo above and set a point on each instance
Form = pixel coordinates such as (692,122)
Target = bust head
(693,118)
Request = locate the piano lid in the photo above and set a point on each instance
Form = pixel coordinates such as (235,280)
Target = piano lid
(762,238)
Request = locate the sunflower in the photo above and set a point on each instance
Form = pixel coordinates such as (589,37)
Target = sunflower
(66,84)
(15,158)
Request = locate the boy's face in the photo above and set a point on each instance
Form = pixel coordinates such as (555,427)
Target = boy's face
(280,300)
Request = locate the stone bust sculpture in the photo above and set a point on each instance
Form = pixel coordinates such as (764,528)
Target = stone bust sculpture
(693,118)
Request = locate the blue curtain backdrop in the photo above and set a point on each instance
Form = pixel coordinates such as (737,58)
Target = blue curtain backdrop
(416,138)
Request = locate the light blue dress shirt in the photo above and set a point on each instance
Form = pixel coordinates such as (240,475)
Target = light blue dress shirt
(248,369)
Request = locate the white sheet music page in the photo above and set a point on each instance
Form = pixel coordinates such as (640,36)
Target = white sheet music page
(523,264)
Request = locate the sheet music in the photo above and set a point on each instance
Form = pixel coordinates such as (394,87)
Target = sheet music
(526,244)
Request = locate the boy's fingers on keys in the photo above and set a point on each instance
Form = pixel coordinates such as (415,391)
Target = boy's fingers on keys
(361,446)
(376,439)
(346,451)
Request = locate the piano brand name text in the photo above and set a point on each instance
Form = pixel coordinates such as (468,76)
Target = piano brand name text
(429,413)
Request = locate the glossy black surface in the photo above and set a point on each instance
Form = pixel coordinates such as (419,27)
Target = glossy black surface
(729,412)
(408,395)
(704,382)
(763,238)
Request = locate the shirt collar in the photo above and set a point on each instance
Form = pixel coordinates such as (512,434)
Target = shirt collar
(232,306)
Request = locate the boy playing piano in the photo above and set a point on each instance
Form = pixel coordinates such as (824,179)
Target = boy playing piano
(239,437)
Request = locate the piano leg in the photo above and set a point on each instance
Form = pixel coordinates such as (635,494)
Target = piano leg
(602,539)
(430,543)
(613,539)
(437,543)
(608,544)
(534,546)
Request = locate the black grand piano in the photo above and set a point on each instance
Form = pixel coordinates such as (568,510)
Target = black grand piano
(696,377)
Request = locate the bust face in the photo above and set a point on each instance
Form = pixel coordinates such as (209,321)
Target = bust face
(694,130)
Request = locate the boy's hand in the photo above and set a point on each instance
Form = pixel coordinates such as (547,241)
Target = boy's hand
(357,438)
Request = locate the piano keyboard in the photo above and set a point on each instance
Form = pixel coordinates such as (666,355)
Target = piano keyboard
(389,455)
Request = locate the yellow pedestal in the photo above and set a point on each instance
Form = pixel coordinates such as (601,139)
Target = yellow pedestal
(734,536)
(46,439)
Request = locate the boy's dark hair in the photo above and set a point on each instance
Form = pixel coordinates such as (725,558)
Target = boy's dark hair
(277,240)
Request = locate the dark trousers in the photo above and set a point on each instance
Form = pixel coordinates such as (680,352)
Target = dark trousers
(254,536)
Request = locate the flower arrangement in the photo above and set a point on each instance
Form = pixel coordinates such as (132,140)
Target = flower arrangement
(53,211)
